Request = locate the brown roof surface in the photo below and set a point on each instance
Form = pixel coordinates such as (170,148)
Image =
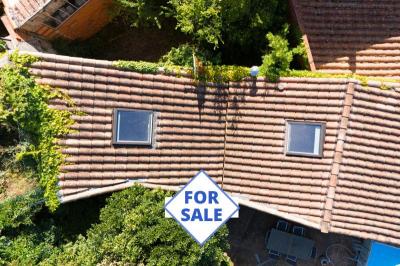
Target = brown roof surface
(236,133)
(21,10)
(352,36)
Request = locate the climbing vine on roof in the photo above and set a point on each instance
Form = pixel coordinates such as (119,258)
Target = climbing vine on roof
(206,73)
(25,112)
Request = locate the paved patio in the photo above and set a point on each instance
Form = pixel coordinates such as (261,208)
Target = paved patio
(247,238)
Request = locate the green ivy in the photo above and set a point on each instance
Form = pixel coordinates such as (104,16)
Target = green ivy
(138,66)
(223,74)
(363,79)
(24,109)
(208,73)
(276,63)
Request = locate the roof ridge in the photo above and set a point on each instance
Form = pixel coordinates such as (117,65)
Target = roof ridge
(108,64)
(337,157)
(71,60)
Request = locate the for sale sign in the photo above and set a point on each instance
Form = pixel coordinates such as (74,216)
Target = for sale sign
(201,207)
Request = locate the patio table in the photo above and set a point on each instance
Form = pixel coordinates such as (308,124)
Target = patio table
(290,244)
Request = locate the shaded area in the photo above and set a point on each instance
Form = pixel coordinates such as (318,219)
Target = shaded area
(120,41)
(74,218)
(247,238)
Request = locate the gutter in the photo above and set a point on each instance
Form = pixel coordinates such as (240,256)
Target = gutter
(129,183)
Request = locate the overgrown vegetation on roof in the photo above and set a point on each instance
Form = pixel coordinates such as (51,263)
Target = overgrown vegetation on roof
(138,235)
(32,128)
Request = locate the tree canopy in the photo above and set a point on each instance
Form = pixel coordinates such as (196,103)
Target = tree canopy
(131,229)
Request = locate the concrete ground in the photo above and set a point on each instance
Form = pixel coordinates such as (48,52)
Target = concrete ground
(247,238)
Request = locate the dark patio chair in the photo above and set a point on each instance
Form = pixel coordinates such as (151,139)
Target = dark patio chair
(298,230)
(274,254)
(260,262)
(313,253)
(267,237)
(282,225)
(291,260)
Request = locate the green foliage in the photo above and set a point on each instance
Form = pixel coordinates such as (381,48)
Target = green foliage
(244,25)
(224,74)
(183,55)
(180,56)
(141,12)
(201,19)
(150,68)
(277,61)
(3,46)
(138,235)
(139,66)
(30,247)
(363,79)
(242,19)
(208,73)
(225,31)
(19,210)
(24,110)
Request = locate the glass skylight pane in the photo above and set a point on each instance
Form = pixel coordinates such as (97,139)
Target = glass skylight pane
(304,138)
(317,138)
(133,126)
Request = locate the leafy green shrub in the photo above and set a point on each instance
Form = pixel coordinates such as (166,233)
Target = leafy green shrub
(140,235)
(3,46)
(19,210)
(24,110)
(139,66)
(131,230)
(180,56)
(183,56)
(277,61)
(201,19)
(141,12)
(30,247)
(224,74)
(244,25)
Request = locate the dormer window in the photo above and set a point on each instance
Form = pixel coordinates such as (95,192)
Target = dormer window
(132,127)
(304,138)
(63,12)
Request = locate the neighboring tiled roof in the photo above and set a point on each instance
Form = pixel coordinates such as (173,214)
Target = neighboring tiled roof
(352,36)
(21,10)
(236,133)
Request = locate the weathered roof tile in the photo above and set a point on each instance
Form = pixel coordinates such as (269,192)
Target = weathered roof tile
(237,134)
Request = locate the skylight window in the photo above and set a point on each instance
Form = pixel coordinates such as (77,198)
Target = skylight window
(132,127)
(305,138)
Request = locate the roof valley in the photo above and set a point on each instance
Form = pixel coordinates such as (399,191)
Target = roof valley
(337,158)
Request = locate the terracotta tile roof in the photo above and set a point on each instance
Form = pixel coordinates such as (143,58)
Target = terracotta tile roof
(236,133)
(20,10)
(352,36)
(367,195)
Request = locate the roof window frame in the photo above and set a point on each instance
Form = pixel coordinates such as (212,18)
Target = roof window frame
(115,124)
(305,154)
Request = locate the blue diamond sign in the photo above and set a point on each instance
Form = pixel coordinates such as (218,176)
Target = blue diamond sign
(201,207)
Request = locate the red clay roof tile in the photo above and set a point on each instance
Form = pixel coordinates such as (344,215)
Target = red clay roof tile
(335,35)
(237,135)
